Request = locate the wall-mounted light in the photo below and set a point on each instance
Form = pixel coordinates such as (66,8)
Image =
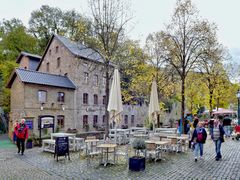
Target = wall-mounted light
(63,107)
(41,108)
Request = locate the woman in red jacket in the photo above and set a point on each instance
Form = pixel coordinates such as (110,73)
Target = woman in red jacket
(22,135)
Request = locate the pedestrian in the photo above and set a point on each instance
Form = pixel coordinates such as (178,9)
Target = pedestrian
(198,139)
(217,134)
(22,135)
(195,121)
(14,129)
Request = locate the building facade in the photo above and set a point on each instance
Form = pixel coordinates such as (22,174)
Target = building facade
(84,104)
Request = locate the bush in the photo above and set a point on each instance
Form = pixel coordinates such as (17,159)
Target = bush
(138,145)
(29,140)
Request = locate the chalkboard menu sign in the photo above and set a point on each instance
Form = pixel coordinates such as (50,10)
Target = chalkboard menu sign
(61,147)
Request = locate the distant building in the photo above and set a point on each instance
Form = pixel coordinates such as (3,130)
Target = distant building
(68,83)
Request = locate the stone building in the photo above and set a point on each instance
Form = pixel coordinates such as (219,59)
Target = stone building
(75,72)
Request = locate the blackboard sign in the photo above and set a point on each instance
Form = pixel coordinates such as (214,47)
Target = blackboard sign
(61,147)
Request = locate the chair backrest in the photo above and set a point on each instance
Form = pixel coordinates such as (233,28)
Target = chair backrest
(150,146)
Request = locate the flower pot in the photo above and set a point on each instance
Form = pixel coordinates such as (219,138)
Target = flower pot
(29,145)
(137,163)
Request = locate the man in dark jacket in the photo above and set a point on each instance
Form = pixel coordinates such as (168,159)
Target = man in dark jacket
(217,134)
(199,138)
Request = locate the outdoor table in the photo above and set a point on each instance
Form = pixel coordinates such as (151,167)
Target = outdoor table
(107,147)
(54,135)
(161,135)
(91,141)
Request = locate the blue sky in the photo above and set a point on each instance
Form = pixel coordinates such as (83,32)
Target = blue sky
(148,16)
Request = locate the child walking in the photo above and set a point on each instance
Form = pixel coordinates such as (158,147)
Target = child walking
(199,138)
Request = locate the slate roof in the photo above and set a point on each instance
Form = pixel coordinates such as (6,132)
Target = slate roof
(33,59)
(79,49)
(35,77)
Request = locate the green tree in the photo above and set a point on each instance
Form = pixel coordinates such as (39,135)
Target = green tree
(48,20)
(185,38)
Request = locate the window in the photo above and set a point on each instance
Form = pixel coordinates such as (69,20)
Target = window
(50,52)
(132,120)
(95,120)
(57,49)
(103,119)
(85,120)
(126,119)
(104,81)
(42,96)
(95,99)
(61,97)
(86,77)
(47,67)
(85,98)
(58,62)
(60,121)
(95,80)
(104,100)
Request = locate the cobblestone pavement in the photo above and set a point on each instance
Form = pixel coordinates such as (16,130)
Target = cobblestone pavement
(38,165)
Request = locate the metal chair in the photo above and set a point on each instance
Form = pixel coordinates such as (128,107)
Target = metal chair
(153,151)
(123,153)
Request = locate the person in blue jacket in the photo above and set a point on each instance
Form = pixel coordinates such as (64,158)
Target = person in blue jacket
(198,139)
(217,135)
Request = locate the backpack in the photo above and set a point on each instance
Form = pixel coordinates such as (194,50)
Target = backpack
(200,135)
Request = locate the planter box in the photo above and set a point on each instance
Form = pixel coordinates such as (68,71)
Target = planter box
(29,145)
(137,163)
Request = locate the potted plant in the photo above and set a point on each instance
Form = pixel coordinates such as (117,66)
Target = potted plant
(137,162)
(29,143)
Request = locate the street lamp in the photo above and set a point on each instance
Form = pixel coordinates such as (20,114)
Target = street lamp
(238,97)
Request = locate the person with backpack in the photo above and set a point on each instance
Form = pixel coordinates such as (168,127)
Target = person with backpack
(198,139)
(217,135)
(22,134)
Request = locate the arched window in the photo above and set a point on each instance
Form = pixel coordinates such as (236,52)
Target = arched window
(47,67)
(85,120)
(42,96)
(58,62)
(95,99)
(85,98)
(126,119)
(61,97)
(60,121)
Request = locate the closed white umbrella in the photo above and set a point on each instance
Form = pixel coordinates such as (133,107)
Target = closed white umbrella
(115,99)
(154,105)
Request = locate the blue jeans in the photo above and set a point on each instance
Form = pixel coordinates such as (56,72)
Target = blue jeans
(198,146)
(227,130)
(218,148)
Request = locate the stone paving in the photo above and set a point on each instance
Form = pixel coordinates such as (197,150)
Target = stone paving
(36,164)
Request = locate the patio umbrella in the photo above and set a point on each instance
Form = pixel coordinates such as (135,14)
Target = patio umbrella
(154,105)
(115,100)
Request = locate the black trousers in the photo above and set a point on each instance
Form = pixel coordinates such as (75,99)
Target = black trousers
(21,145)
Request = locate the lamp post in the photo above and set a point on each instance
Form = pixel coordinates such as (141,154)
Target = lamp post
(238,97)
